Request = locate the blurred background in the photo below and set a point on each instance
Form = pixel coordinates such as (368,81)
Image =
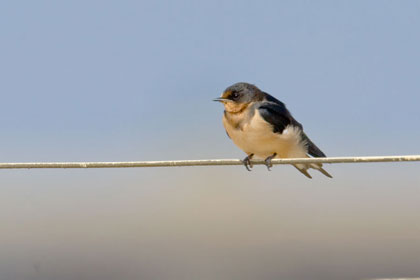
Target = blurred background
(134,80)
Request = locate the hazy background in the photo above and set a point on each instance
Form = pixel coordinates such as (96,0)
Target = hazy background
(133,80)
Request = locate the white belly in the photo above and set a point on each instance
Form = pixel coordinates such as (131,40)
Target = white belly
(257,137)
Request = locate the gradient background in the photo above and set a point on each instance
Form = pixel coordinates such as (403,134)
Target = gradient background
(133,80)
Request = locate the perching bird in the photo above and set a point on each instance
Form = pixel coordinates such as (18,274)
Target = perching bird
(261,126)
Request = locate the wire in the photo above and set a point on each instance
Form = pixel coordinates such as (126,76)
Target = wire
(204,162)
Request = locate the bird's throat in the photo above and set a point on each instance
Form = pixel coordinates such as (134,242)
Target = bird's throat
(235,108)
(239,117)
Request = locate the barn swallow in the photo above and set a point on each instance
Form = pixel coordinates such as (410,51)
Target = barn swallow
(262,127)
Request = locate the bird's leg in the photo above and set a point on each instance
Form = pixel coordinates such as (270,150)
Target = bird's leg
(268,161)
(247,162)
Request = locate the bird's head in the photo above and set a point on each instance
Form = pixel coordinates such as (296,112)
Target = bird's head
(237,97)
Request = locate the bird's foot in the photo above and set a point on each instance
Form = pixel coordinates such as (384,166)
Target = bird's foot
(247,162)
(268,162)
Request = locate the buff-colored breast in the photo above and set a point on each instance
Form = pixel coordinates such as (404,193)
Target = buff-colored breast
(256,136)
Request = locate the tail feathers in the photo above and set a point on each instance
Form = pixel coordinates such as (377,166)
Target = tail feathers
(313,150)
(304,170)
(323,171)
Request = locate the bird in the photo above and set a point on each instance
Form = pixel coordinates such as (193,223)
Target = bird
(262,126)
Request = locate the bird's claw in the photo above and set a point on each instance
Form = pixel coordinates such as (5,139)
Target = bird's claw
(268,162)
(247,162)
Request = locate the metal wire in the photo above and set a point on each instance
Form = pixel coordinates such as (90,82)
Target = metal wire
(204,162)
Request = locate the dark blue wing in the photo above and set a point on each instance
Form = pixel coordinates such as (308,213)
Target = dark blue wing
(276,113)
(313,150)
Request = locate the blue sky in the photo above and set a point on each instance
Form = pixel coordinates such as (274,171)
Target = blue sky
(134,80)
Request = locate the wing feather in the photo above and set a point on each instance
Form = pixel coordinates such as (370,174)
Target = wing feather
(276,113)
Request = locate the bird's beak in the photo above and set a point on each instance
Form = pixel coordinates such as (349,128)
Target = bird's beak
(220,99)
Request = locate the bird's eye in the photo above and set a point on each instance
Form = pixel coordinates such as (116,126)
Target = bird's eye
(235,95)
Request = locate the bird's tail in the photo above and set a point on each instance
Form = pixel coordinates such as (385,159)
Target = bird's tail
(314,151)
(323,171)
(303,168)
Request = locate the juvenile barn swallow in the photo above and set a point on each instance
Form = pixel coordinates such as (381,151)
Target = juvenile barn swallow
(261,126)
